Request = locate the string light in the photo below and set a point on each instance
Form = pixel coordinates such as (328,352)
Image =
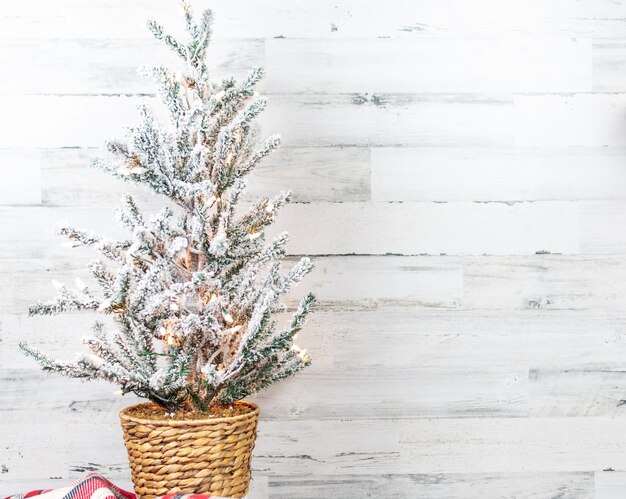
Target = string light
(104,305)
(300,351)
(124,170)
(180,272)
(227,317)
(234,329)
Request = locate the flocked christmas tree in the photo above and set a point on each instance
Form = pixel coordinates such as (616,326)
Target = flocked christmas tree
(195,290)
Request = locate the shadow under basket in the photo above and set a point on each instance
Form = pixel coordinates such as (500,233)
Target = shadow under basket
(203,456)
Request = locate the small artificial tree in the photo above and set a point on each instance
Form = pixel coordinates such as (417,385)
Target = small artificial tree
(195,290)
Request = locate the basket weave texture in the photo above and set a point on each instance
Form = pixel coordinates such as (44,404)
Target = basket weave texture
(201,456)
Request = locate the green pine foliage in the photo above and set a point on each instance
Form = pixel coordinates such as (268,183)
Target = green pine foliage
(195,290)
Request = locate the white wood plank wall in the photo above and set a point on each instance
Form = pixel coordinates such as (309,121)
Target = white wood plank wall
(458,167)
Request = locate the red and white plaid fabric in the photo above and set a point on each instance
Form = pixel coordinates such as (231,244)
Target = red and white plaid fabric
(95,486)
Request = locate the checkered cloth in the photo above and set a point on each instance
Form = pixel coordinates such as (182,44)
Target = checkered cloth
(95,486)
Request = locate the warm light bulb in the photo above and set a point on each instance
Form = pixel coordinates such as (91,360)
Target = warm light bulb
(227,317)
(269,207)
(79,283)
(57,285)
(300,351)
(138,170)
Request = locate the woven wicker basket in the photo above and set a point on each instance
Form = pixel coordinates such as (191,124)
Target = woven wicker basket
(210,456)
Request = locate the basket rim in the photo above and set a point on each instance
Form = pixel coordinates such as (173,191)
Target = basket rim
(252,413)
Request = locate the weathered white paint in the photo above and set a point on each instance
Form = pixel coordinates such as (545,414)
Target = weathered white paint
(610,484)
(539,282)
(73,111)
(519,64)
(363,228)
(106,66)
(324,18)
(609,66)
(429,65)
(497,174)
(392,119)
(445,486)
(22,185)
(579,390)
(310,173)
(591,120)
(511,444)
(435,228)
(489,130)
(315,119)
